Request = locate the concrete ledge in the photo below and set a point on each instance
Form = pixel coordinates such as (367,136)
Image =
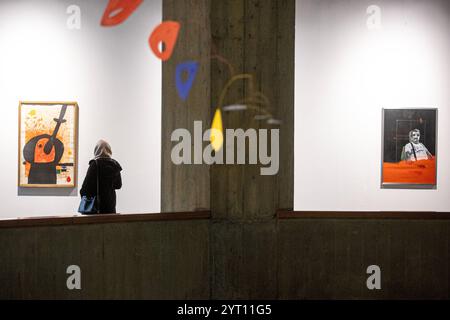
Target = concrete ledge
(288,214)
(101,218)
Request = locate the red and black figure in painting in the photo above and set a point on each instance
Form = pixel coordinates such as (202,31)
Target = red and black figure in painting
(43,153)
(47,144)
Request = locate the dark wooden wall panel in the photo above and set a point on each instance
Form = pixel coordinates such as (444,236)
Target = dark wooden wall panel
(139,260)
(244,261)
(284,259)
(328,258)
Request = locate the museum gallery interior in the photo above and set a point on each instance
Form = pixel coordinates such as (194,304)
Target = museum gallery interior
(225,149)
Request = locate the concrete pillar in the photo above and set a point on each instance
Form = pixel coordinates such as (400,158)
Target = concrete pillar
(230,38)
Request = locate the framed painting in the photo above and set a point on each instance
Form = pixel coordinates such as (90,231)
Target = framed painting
(409,149)
(48,144)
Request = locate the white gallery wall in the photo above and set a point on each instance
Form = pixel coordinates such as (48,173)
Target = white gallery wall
(349,67)
(111,73)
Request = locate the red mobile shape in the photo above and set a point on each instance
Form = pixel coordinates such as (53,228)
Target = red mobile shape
(122,9)
(167,33)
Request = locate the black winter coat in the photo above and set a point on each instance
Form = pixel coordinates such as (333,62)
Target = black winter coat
(109,180)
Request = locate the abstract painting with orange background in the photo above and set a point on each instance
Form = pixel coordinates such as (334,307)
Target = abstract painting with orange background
(409,148)
(47,144)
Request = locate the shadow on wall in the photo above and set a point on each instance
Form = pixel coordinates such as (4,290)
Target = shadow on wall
(49,192)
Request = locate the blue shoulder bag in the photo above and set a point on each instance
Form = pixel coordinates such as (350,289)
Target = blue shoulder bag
(90,205)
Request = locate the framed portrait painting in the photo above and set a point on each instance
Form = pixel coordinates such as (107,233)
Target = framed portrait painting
(48,144)
(409,149)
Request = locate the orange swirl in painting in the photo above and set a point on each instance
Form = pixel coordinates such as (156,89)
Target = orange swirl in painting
(39,154)
(411,172)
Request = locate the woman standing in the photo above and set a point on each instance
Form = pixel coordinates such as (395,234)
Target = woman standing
(109,178)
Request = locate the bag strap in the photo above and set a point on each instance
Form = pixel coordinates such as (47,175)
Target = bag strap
(414,151)
(97,198)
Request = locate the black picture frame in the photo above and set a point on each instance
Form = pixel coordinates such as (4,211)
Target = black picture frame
(409,148)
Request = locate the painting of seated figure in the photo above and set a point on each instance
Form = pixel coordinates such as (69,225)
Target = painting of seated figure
(409,148)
